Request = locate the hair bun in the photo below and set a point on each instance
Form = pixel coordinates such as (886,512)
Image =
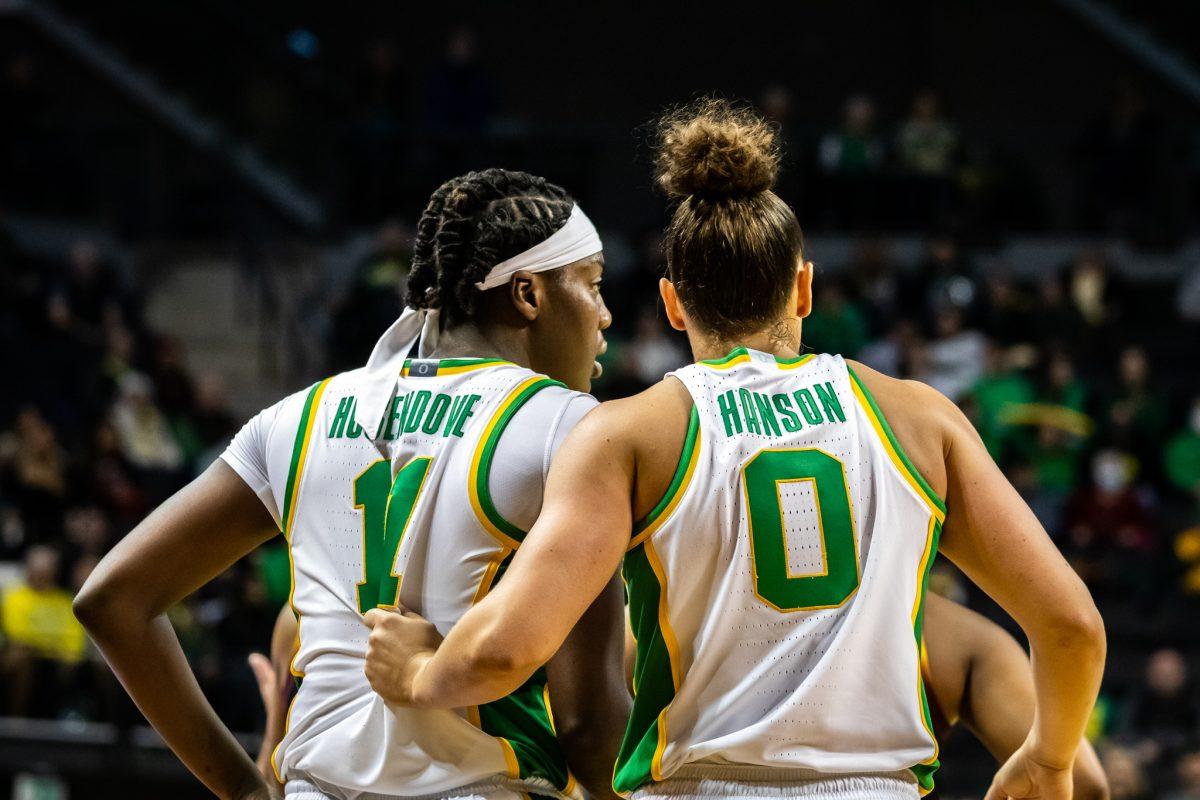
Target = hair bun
(713,150)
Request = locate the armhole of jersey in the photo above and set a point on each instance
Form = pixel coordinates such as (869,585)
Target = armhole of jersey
(299,455)
(895,452)
(479,490)
(684,470)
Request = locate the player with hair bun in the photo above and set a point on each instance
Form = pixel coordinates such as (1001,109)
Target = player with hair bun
(777,513)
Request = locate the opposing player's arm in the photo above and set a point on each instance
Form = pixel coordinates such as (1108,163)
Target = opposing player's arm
(569,556)
(993,536)
(190,539)
(587,691)
(981,675)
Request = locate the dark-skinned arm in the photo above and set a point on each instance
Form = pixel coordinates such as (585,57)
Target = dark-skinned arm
(995,697)
(189,540)
(587,691)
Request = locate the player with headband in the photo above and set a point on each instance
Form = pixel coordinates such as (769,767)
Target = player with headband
(468,395)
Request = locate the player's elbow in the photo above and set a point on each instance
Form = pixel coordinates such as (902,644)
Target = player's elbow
(100,604)
(1079,628)
(1091,785)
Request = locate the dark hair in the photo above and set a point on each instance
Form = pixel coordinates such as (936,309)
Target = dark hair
(472,223)
(732,244)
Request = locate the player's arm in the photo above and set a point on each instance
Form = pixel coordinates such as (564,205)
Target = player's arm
(186,542)
(996,698)
(276,686)
(993,536)
(569,556)
(587,691)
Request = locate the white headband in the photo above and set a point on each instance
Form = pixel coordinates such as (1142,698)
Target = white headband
(570,243)
(419,327)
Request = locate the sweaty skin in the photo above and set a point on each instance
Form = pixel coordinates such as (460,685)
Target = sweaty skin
(978,676)
(617,464)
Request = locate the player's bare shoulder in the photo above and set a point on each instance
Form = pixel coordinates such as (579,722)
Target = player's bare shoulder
(923,419)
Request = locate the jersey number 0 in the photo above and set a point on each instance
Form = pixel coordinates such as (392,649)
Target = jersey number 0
(774,582)
(387,506)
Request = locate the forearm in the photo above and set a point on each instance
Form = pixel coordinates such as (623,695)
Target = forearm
(1067,670)
(148,660)
(453,677)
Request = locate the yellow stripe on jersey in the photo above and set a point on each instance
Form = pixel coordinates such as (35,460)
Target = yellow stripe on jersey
(668,634)
(295,479)
(894,454)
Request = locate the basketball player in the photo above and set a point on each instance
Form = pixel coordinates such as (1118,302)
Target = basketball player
(504,290)
(778,514)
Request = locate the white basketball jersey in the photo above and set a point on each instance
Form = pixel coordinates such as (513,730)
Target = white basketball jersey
(776,590)
(426,533)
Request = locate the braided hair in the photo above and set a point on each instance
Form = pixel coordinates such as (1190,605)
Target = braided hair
(472,223)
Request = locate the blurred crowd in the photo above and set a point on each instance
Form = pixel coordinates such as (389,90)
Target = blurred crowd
(1082,385)
(101,422)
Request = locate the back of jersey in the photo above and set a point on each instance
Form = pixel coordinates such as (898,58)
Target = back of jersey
(776,590)
(403,511)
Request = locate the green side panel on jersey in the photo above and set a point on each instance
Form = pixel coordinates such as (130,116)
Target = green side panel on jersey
(654,687)
(297,449)
(924,772)
(489,451)
(685,458)
(887,429)
(523,719)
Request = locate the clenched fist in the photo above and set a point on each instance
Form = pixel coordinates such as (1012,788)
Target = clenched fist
(400,643)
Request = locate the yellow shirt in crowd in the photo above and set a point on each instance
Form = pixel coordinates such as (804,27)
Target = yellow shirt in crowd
(43,622)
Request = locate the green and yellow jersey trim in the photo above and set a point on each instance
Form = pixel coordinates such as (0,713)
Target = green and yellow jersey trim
(741,355)
(521,742)
(680,481)
(925,770)
(489,517)
(657,673)
(937,515)
(893,449)
(300,447)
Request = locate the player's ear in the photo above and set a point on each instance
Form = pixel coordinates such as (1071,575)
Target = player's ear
(526,294)
(671,304)
(803,290)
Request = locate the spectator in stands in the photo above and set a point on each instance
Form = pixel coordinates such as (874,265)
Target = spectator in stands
(1005,310)
(994,395)
(653,352)
(927,153)
(33,475)
(944,279)
(836,325)
(1061,386)
(875,282)
(955,356)
(1110,527)
(1162,716)
(145,436)
(1136,417)
(1182,457)
(898,352)
(1126,779)
(44,642)
(1187,773)
(851,158)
